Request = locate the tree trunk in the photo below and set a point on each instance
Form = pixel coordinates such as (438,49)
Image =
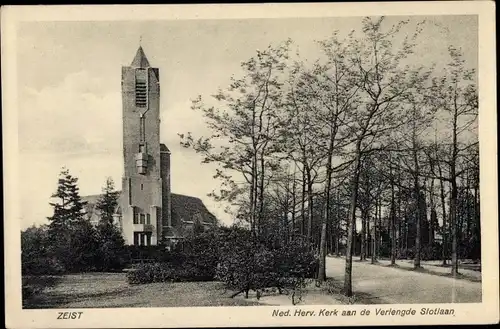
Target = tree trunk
(261,189)
(469,207)
(363,237)
(477,223)
(379,243)
(350,224)
(393,221)
(432,221)
(374,234)
(416,190)
(368,243)
(252,197)
(416,260)
(337,225)
(400,212)
(405,229)
(453,198)
(285,219)
(303,203)
(294,203)
(309,207)
(322,252)
(453,225)
(444,226)
(374,243)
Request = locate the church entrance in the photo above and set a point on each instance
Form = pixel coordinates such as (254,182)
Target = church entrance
(142,238)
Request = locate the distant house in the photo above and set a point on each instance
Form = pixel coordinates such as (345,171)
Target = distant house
(148,213)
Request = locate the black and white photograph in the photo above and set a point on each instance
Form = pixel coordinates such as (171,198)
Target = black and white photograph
(299,167)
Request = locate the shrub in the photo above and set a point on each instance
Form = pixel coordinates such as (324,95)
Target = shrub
(32,285)
(407,253)
(166,272)
(431,251)
(36,256)
(42,265)
(195,259)
(246,263)
(233,256)
(111,248)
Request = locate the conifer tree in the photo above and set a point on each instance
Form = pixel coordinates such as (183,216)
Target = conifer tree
(108,202)
(69,208)
(110,239)
(71,236)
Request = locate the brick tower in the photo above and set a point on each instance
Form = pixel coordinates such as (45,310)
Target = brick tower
(145,198)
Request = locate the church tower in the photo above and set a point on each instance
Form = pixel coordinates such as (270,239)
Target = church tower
(145,198)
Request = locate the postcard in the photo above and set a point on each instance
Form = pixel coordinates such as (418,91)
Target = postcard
(322,164)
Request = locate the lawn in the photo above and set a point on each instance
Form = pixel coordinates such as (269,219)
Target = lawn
(104,290)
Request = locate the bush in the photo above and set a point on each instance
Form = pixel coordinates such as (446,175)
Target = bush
(111,248)
(231,255)
(146,253)
(36,256)
(42,265)
(247,263)
(165,272)
(408,253)
(195,259)
(431,252)
(32,285)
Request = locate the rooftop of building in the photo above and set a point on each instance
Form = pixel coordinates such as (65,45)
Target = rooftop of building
(184,208)
(140,60)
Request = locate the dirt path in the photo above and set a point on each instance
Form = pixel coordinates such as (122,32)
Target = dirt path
(381,284)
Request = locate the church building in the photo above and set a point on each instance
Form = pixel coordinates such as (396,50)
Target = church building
(148,213)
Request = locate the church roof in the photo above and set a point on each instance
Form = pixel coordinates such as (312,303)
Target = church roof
(184,208)
(164,148)
(188,208)
(140,59)
(90,207)
(91,199)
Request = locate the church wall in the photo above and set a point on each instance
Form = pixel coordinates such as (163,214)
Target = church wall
(166,202)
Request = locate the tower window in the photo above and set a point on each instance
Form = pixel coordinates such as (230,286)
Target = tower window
(142,187)
(140,93)
(142,130)
(143,219)
(136,216)
(148,219)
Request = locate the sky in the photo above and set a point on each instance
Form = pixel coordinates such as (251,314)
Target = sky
(69,90)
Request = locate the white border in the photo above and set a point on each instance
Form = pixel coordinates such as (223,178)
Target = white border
(16,317)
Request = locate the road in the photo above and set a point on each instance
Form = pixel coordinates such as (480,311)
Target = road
(385,285)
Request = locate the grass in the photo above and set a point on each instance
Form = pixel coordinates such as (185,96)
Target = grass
(107,290)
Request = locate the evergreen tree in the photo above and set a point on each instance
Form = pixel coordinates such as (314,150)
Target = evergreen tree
(110,240)
(69,209)
(71,236)
(83,247)
(108,202)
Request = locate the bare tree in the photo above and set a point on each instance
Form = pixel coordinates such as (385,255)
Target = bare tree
(379,72)
(454,94)
(337,98)
(244,125)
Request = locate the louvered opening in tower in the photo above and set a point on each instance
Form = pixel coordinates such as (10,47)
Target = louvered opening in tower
(141,93)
